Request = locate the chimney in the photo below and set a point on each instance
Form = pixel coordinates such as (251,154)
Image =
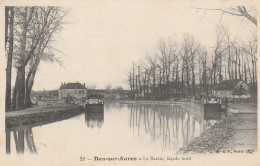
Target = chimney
(64,83)
(84,85)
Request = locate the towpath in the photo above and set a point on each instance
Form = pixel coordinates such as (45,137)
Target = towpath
(43,108)
(245,128)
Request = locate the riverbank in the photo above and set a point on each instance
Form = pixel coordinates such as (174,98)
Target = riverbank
(154,101)
(41,114)
(236,133)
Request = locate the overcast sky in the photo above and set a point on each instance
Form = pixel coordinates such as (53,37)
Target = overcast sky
(102,39)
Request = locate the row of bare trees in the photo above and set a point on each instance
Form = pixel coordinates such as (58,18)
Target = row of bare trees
(29,35)
(189,68)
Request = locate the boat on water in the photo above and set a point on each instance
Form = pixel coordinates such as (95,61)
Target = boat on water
(94,105)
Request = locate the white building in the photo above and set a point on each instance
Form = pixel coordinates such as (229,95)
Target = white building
(231,89)
(74,90)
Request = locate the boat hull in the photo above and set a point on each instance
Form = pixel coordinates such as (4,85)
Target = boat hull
(94,107)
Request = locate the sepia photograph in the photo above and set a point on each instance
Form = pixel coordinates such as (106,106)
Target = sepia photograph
(121,82)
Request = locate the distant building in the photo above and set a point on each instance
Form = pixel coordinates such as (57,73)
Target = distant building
(74,90)
(231,89)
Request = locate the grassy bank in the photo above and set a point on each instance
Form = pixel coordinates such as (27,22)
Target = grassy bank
(40,115)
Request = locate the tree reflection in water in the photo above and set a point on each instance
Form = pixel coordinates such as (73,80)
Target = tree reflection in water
(19,140)
(169,127)
(23,132)
(174,126)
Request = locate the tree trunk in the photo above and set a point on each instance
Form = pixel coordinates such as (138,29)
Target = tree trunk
(253,70)
(193,81)
(145,75)
(220,79)
(236,68)
(6,24)
(130,82)
(204,77)
(20,88)
(133,80)
(14,95)
(177,79)
(187,76)
(9,64)
(245,74)
(154,82)
(182,80)
(160,80)
(136,81)
(240,66)
(21,69)
(29,85)
(249,72)
(229,60)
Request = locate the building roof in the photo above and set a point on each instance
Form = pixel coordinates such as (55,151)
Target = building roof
(72,86)
(227,84)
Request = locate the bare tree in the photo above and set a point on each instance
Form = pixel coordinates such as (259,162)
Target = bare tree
(191,50)
(166,57)
(250,49)
(152,60)
(204,78)
(44,50)
(190,68)
(218,54)
(240,11)
(34,28)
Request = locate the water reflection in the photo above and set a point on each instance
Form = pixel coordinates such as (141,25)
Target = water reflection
(175,126)
(19,140)
(23,133)
(110,105)
(211,115)
(94,119)
(156,128)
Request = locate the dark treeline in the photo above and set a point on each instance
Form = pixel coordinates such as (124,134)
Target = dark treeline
(29,35)
(187,67)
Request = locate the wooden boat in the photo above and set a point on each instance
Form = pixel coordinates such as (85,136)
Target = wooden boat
(94,105)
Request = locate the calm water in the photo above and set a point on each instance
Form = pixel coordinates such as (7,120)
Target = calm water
(120,129)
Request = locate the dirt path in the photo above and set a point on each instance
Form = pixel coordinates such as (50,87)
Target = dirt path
(245,133)
(42,108)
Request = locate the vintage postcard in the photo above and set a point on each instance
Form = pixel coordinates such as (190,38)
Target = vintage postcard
(116,82)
